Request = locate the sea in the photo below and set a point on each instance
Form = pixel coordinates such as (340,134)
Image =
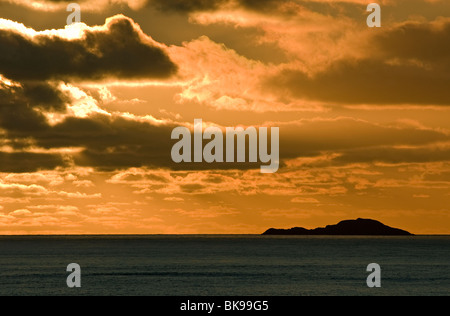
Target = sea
(225,265)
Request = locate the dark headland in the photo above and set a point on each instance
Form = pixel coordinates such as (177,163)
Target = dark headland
(358,227)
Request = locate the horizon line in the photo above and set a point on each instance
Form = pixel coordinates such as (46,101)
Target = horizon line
(206,234)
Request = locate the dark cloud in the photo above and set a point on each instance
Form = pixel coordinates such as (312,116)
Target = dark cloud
(19,106)
(426,42)
(111,143)
(20,119)
(119,51)
(311,138)
(394,155)
(44,95)
(38,64)
(115,142)
(208,5)
(187,6)
(406,64)
(108,143)
(368,82)
(264,5)
(29,162)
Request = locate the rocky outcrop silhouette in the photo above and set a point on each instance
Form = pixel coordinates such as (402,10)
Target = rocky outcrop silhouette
(358,227)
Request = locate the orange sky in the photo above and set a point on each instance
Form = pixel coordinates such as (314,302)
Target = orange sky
(86,113)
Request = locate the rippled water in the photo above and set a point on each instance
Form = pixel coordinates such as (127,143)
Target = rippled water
(224,265)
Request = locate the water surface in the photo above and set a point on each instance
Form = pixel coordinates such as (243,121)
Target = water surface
(224,265)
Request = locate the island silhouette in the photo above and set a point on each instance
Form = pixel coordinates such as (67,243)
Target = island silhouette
(358,227)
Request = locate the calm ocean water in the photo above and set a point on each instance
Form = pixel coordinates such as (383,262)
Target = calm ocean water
(224,265)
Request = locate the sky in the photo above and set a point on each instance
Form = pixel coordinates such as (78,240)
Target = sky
(87,111)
